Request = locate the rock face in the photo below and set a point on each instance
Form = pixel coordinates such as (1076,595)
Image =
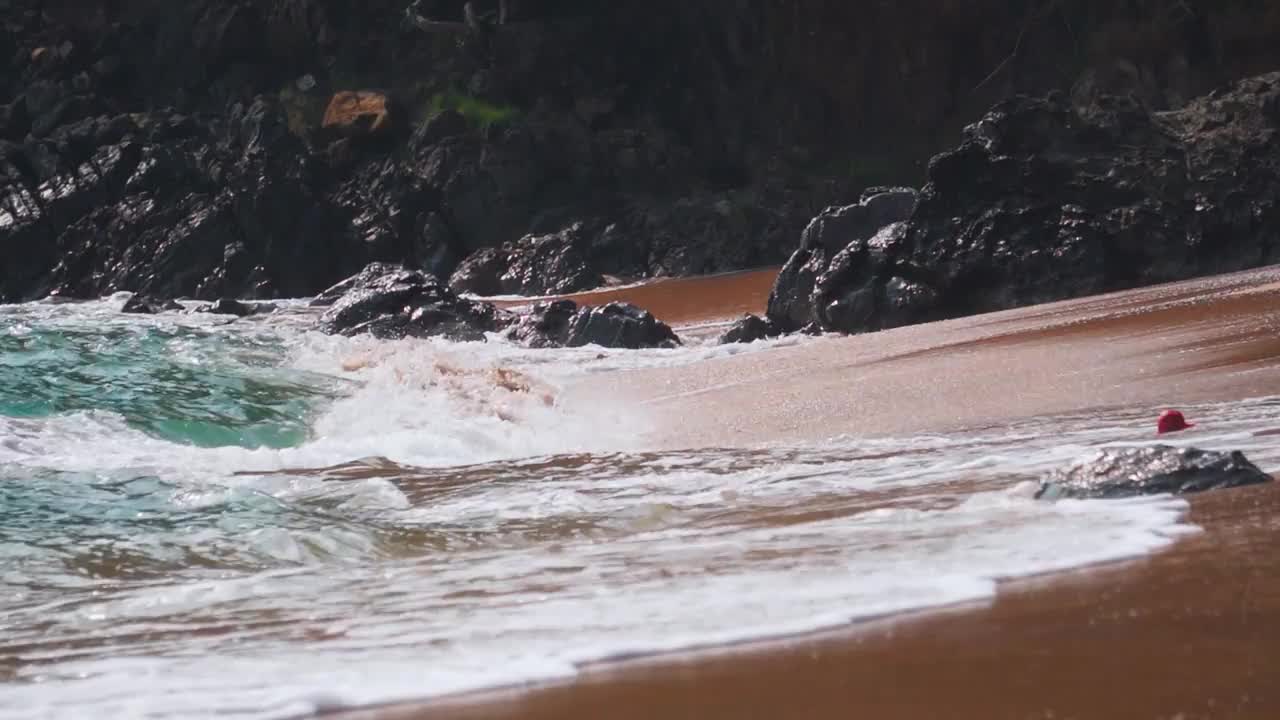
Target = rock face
(164,205)
(393,302)
(1045,201)
(1126,472)
(481,273)
(217,148)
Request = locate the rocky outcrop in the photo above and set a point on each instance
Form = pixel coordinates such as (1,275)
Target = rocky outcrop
(481,273)
(366,277)
(545,325)
(165,205)
(398,303)
(1125,472)
(562,323)
(213,148)
(551,264)
(619,325)
(1045,201)
(837,280)
(393,302)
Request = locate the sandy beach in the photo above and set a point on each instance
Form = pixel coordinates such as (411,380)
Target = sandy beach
(1192,632)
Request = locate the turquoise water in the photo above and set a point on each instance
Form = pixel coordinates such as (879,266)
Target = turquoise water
(79,383)
(203,386)
(203,518)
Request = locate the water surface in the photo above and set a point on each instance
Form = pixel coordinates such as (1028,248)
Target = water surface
(204,518)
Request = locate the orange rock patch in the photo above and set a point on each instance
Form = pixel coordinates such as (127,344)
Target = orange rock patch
(358,112)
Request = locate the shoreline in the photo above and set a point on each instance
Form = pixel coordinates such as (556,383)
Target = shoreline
(1063,636)
(1189,632)
(1205,340)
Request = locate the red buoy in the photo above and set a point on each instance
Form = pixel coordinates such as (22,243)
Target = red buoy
(1172,421)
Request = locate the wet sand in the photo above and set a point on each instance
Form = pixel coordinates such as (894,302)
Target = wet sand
(685,301)
(1208,340)
(1192,632)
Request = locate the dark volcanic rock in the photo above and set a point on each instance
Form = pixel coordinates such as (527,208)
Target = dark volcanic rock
(397,303)
(836,279)
(144,305)
(1124,472)
(619,325)
(155,203)
(181,149)
(1045,201)
(392,302)
(545,325)
(749,328)
(615,325)
(481,273)
(549,264)
(368,275)
(228,306)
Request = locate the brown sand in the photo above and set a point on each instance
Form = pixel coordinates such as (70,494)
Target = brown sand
(682,301)
(1193,632)
(1207,340)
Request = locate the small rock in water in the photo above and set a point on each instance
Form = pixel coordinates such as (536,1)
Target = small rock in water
(748,329)
(226,306)
(619,325)
(389,301)
(392,302)
(1126,472)
(561,323)
(146,305)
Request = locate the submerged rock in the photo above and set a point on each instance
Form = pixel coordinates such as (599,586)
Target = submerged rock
(146,305)
(749,328)
(227,306)
(1125,472)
